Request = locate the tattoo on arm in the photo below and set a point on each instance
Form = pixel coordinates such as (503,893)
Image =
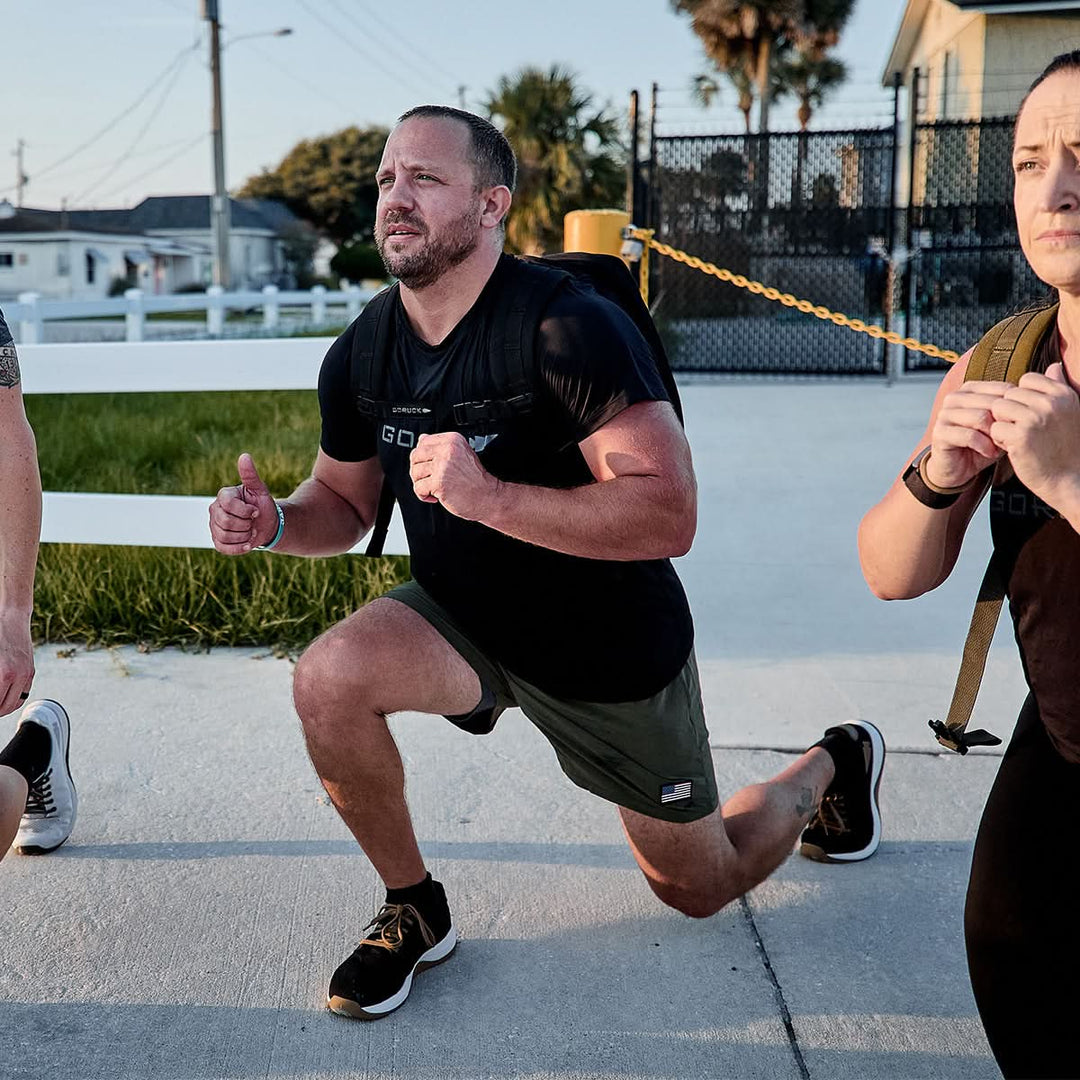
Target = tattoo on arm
(805,803)
(9,366)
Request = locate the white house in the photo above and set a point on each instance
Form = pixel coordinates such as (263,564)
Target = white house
(976,58)
(161,245)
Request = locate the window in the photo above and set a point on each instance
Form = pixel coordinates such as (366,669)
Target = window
(63,263)
(91,268)
(7,260)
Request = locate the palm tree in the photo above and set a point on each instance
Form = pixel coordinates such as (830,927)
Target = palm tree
(569,153)
(743,36)
(809,79)
(751,37)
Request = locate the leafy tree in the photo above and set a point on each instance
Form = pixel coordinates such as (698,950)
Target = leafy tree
(568,150)
(328,181)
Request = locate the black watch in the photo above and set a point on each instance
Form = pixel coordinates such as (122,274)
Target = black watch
(917,485)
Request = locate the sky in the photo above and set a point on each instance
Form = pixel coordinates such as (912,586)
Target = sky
(111,101)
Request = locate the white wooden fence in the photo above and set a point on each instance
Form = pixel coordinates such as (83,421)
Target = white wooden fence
(28,316)
(163,520)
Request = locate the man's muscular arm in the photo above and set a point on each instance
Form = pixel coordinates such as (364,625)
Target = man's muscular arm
(642,506)
(20,526)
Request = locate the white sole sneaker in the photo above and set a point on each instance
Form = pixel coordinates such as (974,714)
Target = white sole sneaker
(52,803)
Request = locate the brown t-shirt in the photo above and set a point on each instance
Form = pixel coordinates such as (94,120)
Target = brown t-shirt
(1040,557)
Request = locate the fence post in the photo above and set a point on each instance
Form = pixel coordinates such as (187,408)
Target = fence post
(271,308)
(215,311)
(31,327)
(134,319)
(318,305)
(353,303)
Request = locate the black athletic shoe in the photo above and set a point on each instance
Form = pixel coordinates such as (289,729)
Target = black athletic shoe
(378,976)
(847,825)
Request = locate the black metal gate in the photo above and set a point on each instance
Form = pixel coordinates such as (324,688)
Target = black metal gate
(966,270)
(808,213)
(817,214)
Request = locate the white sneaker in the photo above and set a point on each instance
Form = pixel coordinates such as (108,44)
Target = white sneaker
(52,801)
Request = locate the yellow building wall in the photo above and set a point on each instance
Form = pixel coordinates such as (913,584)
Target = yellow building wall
(1018,47)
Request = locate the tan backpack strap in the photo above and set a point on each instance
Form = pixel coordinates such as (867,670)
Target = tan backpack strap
(1004,353)
(953,734)
(1006,350)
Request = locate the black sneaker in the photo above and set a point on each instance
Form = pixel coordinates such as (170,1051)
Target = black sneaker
(378,976)
(847,825)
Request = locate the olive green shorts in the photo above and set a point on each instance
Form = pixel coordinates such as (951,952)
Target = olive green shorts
(651,756)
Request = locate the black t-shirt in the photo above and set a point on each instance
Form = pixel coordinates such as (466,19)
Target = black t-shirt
(595,630)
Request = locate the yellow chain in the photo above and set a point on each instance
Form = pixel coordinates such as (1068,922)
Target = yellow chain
(788,300)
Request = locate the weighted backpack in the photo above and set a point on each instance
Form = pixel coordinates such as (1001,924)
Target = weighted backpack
(533,283)
(1005,352)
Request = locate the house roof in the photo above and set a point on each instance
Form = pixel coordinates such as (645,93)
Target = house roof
(916,10)
(193,212)
(184,212)
(26,220)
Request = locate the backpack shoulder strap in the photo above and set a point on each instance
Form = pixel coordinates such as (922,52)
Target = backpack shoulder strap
(1005,352)
(365,371)
(369,348)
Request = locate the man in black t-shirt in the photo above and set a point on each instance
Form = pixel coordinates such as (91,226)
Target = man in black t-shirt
(540,543)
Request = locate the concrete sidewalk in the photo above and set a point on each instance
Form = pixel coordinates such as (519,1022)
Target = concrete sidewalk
(189,928)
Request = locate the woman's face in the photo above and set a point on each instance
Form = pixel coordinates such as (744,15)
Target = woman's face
(1046,168)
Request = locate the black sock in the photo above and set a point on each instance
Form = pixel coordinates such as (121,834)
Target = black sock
(839,745)
(29,751)
(419,895)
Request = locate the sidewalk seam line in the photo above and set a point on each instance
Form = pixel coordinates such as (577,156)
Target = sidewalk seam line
(778,993)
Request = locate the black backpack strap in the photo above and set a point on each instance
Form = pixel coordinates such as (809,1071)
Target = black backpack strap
(527,291)
(369,342)
(1004,352)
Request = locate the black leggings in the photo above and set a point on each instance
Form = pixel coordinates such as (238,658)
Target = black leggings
(1022,919)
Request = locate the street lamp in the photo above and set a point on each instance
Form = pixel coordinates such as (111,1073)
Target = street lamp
(219,204)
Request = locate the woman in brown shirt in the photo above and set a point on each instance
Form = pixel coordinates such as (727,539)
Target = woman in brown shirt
(1023,442)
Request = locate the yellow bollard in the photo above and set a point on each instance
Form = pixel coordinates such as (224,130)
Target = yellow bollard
(597,231)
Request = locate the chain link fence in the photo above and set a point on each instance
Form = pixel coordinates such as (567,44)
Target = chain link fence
(817,214)
(967,270)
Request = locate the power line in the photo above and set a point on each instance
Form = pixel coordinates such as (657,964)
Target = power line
(389,47)
(421,54)
(201,137)
(116,120)
(126,154)
(315,89)
(338,35)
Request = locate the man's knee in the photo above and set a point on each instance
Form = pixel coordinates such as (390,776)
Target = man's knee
(696,901)
(330,672)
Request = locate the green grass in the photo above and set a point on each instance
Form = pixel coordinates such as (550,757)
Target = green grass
(186,444)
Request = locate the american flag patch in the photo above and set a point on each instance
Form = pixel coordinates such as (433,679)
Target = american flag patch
(674,792)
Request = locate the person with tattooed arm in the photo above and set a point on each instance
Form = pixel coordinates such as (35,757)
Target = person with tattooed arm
(37,796)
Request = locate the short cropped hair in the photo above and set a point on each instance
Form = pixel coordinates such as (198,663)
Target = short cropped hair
(493,158)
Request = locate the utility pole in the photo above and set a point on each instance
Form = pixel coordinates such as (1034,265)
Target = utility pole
(219,203)
(461,96)
(21,179)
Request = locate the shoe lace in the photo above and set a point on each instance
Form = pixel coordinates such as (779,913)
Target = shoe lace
(39,798)
(392,922)
(831,816)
